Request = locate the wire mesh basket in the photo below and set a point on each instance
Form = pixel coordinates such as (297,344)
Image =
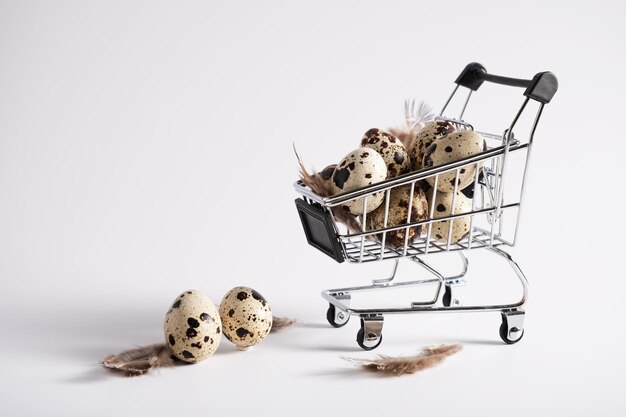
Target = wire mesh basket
(488,218)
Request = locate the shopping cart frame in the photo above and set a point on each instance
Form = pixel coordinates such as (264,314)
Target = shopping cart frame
(323,231)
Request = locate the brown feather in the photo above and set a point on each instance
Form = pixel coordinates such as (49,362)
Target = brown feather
(314,181)
(349,220)
(399,365)
(405,136)
(138,361)
(280,323)
(321,187)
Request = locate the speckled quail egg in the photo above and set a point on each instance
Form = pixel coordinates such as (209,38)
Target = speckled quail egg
(451,148)
(431,132)
(460,225)
(192,327)
(246,317)
(390,148)
(360,168)
(398,214)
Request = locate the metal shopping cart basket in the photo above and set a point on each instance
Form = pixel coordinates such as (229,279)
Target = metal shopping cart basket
(490,207)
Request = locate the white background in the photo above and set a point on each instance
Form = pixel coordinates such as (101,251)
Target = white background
(146,149)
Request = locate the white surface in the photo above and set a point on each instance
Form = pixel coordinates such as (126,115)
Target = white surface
(140,144)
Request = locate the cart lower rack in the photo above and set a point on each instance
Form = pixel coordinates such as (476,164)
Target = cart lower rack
(495,195)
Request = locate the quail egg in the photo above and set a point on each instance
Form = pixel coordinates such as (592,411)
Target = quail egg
(431,132)
(398,214)
(246,317)
(451,148)
(390,148)
(460,225)
(360,168)
(192,327)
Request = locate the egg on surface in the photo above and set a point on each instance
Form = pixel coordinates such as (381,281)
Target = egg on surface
(360,168)
(390,148)
(442,208)
(398,214)
(192,327)
(450,148)
(246,317)
(431,132)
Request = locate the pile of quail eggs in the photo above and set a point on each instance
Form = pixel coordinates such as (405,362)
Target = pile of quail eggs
(382,156)
(194,325)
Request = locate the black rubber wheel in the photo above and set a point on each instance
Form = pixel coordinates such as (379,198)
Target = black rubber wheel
(504,334)
(330,316)
(360,339)
(447,296)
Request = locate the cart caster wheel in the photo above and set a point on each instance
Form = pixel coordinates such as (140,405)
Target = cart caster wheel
(336,317)
(370,335)
(504,334)
(512,327)
(368,344)
(447,296)
(447,299)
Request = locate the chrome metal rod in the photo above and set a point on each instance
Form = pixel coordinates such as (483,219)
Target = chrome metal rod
(465,267)
(424,222)
(526,164)
(403,179)
(363,226)
(382,245)
(386,281)
(408,219)
(431,213)
(366,288)
(430,308)
(449,100)
(440,279)
(469,95)
(471,231)
(518,272)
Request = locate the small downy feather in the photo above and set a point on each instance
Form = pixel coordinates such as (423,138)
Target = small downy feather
(350,221)
(314,181)
(138,361)
(400,365)
(320,187)
(415,118)
(280,323)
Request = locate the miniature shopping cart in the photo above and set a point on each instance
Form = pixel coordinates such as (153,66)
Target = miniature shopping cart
(496,202)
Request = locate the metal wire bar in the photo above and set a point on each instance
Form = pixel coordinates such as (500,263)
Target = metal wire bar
(363,227)
(425,222)
(428,306)
(523,186)
(469,95)
(449,99)
(387,198)
(452,207)
(474,193)
(386,281)
(403,179)
(408,217)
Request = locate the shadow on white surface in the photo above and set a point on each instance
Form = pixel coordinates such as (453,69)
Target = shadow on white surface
(97,353)
(96,374)
(314,325)
(346,373)
(90,334)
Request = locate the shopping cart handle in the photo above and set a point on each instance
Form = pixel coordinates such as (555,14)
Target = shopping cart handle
(542,87)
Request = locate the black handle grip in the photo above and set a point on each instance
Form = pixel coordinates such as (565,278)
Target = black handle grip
(542,87)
